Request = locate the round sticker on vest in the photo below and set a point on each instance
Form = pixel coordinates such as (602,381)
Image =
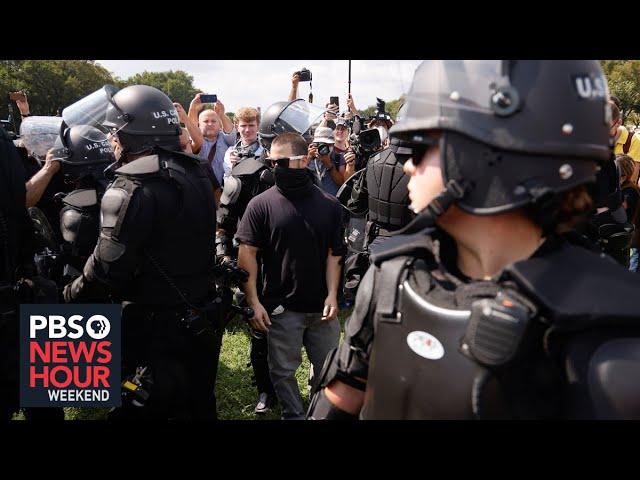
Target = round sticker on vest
(425,345)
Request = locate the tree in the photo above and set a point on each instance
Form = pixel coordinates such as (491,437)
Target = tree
(51,85)
(178,85)
(623,77)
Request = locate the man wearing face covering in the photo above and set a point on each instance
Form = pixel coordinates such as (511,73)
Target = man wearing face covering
(298,230)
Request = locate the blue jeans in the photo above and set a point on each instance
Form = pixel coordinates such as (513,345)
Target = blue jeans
(633,260)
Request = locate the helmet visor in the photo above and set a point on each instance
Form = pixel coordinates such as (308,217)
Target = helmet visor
(302,116)
(90,110)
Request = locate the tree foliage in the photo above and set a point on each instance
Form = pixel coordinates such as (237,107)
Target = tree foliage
(623,77)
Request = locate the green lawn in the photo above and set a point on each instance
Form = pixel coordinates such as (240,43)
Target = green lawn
(235,395)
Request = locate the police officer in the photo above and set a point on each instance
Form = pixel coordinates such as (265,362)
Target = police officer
(155,254)
(83,152)
(376,198)
(380,193)
(249,177)
(486,311)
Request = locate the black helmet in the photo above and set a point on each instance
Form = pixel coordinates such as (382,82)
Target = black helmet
(514,132)
(298,116)
(82,150)
(143,117)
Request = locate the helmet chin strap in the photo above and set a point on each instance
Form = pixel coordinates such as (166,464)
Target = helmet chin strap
(427,217)
(453,191)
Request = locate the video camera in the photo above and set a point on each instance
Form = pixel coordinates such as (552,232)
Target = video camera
(363,142)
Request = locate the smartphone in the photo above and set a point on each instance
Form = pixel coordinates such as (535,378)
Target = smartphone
(334,100)
(15,96)
(208,98)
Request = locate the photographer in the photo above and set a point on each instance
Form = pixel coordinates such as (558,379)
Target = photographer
(195,139)
(325,162)
(218,132)
(247,120)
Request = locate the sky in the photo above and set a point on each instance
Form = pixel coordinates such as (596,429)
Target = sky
(259,83)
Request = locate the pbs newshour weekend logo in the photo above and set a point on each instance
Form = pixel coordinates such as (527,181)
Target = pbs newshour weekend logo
(70,355)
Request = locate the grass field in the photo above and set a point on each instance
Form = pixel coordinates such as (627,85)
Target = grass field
(235,395)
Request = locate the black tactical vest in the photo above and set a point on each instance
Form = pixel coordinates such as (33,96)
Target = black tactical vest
(416,370)
(184,222)
(388,194)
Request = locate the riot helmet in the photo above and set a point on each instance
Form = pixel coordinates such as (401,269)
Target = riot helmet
(512,132)
(298,116)
(82,150)
(142,117)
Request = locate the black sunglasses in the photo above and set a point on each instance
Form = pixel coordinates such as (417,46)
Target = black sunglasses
(284,161)
(420,144)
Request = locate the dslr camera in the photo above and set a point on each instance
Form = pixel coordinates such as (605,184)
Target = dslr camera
(305,75)
(323,148)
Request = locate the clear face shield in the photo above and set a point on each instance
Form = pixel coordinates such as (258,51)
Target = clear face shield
(92,110)
(39,134)
(303,117)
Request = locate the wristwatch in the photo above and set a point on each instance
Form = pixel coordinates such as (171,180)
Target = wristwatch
(23,115)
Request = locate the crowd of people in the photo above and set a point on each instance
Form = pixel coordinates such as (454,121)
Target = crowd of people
(483,235)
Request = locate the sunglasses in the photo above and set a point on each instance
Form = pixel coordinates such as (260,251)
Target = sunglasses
(420,144)
(284,161)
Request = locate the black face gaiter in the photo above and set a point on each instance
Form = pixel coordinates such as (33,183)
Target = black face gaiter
(293,182)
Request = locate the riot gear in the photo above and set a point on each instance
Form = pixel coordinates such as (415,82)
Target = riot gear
(498,123)
(155,253)
(141,116)
(297,116)
(82,150)
(529,336)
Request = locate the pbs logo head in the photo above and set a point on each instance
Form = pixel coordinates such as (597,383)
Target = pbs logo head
(98,327)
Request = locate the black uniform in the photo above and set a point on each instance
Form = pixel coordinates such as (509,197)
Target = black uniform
(518,346)
(381,194)
(155,254)
(249,177)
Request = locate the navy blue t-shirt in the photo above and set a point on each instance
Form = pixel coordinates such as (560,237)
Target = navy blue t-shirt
(294,237)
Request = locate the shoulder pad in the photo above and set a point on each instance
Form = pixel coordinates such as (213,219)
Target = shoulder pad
(579,288)
(141,166)
(231,190)
(81,198)
(247,166)
(113,201)
(417,244)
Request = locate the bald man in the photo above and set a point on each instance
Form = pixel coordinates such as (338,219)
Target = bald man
(218,132)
